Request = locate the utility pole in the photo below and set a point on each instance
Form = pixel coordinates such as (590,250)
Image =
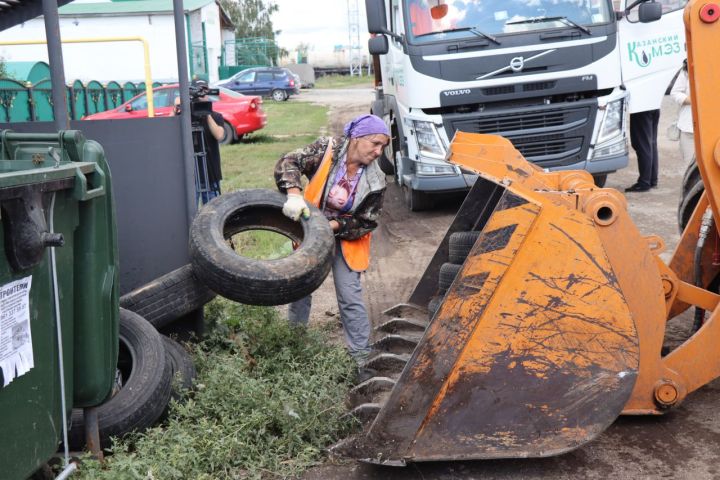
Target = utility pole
(354,38)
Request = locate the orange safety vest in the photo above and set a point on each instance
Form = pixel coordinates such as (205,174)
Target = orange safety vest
(355,252)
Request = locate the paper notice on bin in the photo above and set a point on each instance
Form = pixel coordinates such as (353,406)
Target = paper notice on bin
(16,353)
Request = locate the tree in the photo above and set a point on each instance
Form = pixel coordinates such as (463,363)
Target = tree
(251,17)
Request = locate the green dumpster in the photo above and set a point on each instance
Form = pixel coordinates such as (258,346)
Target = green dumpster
(58,266)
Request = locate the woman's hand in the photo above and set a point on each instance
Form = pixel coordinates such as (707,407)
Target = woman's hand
(335,225)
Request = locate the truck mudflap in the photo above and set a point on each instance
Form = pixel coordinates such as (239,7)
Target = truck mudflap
(533,349)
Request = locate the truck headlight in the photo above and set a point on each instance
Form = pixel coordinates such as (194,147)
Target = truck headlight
(612,121)
(428,140)
(613,149)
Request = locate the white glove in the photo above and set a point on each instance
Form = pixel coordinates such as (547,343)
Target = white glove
(295,206)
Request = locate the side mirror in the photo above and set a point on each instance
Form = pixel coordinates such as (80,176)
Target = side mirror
(649,12)
(378,45)
(128,108)
(376,19)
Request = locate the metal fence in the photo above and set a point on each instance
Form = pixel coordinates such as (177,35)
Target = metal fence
(25,102)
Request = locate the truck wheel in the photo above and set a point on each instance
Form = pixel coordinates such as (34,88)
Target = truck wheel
(415,200)
(600,180)
(253,281)
(279,95)
(146,385)
(460,244)
(229,136)
(690,177)
(688,202)
(169,297)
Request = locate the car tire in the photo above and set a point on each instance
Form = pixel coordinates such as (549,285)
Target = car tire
(279,95)
(460,244)
(229,134)
(145,392)
(448,272)
(259,282)
(181,366)
(169,297)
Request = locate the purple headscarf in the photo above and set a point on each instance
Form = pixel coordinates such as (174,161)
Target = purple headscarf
(366,125)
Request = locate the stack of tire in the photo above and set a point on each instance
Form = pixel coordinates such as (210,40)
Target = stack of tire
(153,368)
(459,246)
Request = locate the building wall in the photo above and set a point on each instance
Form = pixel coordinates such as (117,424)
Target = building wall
(119,61)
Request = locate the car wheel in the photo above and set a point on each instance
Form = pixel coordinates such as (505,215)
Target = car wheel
(229,136)
(253,281)
(279,95)
(415,200)
(600,180)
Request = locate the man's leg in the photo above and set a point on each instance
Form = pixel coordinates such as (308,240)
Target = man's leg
(299,311)
(353,314)
(655,116)
(640,138)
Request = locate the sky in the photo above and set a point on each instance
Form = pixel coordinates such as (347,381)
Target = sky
(321,23)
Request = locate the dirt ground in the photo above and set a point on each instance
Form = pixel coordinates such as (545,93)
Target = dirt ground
(685,443)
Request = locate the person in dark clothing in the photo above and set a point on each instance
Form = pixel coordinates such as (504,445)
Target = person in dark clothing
(213,132)
(643,138)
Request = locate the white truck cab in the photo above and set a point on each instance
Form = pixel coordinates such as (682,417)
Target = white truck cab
(546,74)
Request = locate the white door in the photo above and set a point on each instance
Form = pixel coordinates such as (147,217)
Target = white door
(651,53)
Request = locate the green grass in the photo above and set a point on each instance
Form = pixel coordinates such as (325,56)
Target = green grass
(269,397)
(343,81)
(268,402)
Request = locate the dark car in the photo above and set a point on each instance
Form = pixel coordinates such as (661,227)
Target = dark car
(274,82)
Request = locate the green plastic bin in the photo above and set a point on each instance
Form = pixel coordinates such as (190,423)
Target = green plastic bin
(60,181)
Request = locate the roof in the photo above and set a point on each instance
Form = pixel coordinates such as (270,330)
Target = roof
(15,12)
(130,7)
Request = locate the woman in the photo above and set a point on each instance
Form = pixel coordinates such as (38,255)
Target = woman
(348,186)
(681,94)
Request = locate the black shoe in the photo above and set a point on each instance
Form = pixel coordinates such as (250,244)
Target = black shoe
(638,188)
(654,185)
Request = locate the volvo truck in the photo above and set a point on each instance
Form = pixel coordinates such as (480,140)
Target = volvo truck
(558,78)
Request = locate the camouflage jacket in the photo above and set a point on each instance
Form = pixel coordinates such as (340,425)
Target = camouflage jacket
(363,216)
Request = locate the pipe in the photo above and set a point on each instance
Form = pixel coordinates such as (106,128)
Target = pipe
(146,60)
(57,70)
(185,133)
(67,471)
(707,224)
(58,326)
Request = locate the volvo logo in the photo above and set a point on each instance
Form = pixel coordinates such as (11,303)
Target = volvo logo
(452,93)
(517,64)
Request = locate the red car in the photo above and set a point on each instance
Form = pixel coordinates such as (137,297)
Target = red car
(242,113)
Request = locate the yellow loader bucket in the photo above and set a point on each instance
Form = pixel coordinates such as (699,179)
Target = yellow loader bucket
(541,316)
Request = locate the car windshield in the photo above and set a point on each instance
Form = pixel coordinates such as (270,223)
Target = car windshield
(463,18)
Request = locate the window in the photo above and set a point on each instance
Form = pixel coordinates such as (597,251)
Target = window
(246,77)
(667,6)
(279,76)
(139,103)
(264,77)
(163,98)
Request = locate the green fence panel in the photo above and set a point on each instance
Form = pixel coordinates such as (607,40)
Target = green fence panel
(79,100)
(14,102)
(129,91)
(113,94)
(95,94)
(41,94)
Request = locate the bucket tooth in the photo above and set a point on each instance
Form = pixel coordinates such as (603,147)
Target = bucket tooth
(387,363)
(399,344)
(365,391)
(365,412)
(406,310)
(398,324)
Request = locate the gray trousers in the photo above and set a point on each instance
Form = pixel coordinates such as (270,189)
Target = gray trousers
(353,314)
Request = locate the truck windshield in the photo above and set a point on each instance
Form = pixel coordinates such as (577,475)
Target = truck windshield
(461,18)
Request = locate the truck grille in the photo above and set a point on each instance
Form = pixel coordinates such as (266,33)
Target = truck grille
(548,136)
